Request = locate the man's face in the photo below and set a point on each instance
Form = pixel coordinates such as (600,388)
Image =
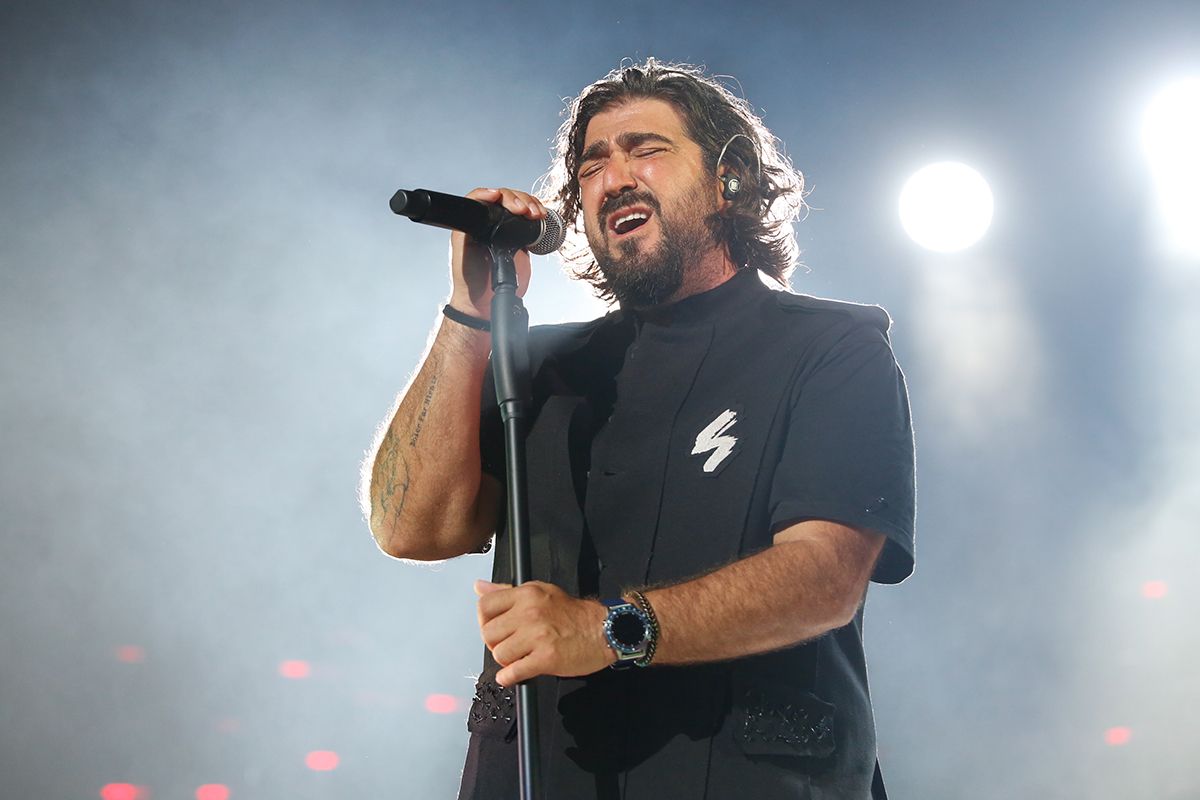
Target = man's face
(648,202)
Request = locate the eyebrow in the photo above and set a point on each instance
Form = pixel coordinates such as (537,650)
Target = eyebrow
(627,141)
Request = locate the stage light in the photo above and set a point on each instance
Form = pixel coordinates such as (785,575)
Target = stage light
(1171,139)
(212,791)
(294,669)
(1154,590)
(946,206)
(123,791)
(131,654)
(322,760)
(441,703)
(1115,737)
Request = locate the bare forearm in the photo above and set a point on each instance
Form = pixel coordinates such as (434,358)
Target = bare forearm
(809,582)
(424,481)
(789,593)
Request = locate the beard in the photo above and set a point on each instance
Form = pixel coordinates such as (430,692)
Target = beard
(641,276)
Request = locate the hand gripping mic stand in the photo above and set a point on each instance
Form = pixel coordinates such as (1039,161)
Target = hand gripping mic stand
(510,366)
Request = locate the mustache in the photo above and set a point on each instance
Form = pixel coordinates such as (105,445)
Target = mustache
(625,200)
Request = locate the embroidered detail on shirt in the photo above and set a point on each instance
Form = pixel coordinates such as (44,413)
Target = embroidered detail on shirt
(804,725)
(493,704)
(714,438)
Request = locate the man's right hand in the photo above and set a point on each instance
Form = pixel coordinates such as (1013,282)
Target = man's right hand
(471,262)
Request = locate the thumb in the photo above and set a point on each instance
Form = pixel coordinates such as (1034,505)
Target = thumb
(483,587)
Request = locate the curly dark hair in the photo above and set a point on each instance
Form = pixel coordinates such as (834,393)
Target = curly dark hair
(757,227)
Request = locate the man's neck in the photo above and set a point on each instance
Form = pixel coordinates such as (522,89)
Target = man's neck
(709,272)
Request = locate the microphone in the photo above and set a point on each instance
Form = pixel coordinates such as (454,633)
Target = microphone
(484,222)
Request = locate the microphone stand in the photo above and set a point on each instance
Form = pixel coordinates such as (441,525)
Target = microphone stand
(510,366)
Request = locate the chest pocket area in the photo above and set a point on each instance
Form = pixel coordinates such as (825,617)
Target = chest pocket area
(719,465)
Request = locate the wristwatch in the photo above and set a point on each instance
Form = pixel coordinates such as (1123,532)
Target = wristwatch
(628,631)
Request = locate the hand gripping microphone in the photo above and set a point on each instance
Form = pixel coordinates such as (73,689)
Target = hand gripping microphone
(484,222)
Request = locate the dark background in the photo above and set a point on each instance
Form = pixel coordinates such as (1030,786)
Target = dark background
(206,307)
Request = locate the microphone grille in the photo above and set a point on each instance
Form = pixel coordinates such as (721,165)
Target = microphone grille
(554,233)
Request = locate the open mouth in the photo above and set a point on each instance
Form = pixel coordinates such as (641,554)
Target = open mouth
(628,220)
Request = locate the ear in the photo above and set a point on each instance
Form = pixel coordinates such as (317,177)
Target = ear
(723,199)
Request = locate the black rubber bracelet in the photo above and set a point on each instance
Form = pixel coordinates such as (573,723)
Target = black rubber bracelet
(466,319)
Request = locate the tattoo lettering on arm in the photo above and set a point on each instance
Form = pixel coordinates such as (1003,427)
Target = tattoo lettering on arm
(426,402)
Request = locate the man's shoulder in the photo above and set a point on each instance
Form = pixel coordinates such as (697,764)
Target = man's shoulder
(558,338)
(554,331)
(828,313)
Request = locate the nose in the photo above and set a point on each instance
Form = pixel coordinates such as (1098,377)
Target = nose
(618,176)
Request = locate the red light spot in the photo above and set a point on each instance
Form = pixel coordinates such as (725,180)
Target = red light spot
(441,703)
(123,791)
(212,791)
(1115,737)
(130,654)
(294,669)
(322,760)
(228,725)
(1154,589)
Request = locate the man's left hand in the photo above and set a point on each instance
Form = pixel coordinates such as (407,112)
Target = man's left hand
(538,629)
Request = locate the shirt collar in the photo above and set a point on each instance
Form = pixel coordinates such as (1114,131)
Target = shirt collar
(706,306)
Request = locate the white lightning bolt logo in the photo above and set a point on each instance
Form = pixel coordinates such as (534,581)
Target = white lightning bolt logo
(714,438)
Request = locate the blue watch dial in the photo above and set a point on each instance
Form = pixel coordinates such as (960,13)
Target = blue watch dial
(627,630)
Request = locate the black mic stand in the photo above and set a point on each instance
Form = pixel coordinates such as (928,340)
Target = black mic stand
(510,366)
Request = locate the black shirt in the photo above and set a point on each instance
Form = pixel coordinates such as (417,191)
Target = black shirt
(664,445)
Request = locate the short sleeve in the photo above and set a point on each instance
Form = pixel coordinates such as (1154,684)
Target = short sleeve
(848,456)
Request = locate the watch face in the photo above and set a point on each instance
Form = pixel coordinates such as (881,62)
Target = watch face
(628,629)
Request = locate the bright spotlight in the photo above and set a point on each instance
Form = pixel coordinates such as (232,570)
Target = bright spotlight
(1171,138)
(946,206)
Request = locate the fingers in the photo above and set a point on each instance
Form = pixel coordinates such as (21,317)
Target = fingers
(515,201)
(503,635)
(490,603)
(496,623)
(530,666)
(470,261)
(522,628)
(522,611)
(512,649)
(498,598)
(495,631)
(494,599)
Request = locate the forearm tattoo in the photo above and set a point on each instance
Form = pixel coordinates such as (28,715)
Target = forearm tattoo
(391,462)
(426,402)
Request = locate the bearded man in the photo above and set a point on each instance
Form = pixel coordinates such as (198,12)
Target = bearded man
(717,469)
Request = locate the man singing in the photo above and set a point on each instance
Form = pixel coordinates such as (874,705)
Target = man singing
(716,471)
